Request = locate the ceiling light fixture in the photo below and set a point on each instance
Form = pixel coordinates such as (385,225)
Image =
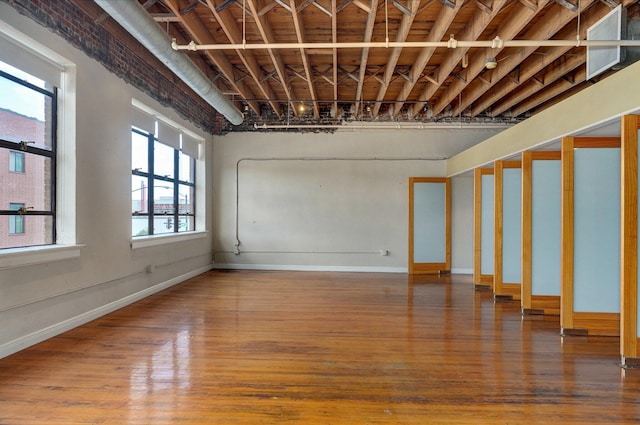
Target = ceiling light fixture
(490,63)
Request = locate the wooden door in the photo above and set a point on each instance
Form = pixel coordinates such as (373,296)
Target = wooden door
(429,225)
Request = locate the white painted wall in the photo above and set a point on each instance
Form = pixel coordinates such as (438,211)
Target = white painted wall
(341,202)
(462,224)
(39,301)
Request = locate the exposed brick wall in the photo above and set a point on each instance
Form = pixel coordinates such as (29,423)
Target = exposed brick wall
(85,26)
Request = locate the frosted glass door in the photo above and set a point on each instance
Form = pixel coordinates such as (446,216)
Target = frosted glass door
(429,228)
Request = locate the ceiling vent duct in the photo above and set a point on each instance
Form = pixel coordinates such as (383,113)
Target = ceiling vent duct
(630,54)
(135,19)
(613,26)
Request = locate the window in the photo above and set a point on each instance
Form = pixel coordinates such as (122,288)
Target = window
(162,186)
(16,162)
(27,135)
(16,222)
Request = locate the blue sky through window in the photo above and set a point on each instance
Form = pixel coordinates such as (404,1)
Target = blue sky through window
(20,99)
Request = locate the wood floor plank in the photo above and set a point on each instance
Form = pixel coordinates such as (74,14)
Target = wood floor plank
(231,347)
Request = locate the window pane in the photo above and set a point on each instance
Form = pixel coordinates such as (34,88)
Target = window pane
(139,226)
(33,187)
(163,224)
(186,168)
(16,162)
(16,222)
(139,152)
(186,224)
(163,197)
(163,160)
(36,230)
(185,199)
(139,194)
(25,114)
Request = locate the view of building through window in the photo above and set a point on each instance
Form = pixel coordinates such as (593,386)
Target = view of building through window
(27,159)
(162,187)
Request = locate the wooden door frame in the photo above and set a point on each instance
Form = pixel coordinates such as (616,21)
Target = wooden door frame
(431,268)
(571,322)
(629,341)
(532,304)
(481,281)
(500,288)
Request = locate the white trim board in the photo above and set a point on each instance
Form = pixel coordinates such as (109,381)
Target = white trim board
(279,267)
(23,342)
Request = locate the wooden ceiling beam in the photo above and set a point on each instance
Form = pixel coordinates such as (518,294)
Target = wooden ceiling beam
(484,7)
(284,4)
(406,10)
(430,79)
(300,35)
(302,6)
(529,66)
(190,7)
(531,4)
(474,28)
(192,24)
(364,6)
(394,55)
(440,27)
(224,5)
(343,5)
(364,56)
(534,84)
(324,10)
(266,32)
(228,24)
(560,86)
(266,8)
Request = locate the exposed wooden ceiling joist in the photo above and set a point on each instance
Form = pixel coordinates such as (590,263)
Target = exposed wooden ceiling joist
(233,33)
(300,36)
(515,22)
(394,55)
(562,17)
(199,32)
(474,28)
(393,82)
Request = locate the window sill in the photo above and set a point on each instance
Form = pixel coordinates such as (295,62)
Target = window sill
(20,257)
(147,241)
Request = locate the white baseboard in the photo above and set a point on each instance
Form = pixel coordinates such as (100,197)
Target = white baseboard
(33,338)
(240,266)
(461,271)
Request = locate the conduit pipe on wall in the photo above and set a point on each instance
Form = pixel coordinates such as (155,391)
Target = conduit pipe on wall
(135,19)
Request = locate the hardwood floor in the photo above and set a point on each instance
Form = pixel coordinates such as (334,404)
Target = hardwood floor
(319,348)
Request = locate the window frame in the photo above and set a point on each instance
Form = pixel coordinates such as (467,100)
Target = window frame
(13,155)
(25,147)
(175,182)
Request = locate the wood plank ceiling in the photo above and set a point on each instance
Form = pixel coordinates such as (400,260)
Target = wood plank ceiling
(400,84)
